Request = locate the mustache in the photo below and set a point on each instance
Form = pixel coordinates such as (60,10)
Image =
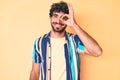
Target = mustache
(58,23)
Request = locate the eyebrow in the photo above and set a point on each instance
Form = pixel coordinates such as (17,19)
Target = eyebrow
(55,14)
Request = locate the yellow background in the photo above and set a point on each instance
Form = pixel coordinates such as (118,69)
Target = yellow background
(21,21)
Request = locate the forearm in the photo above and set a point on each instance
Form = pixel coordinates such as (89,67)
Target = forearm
(91,45)
(34,76)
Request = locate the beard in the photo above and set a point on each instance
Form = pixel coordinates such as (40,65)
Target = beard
(58,29)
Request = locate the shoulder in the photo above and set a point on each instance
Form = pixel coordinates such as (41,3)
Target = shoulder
(37,40)
(71,35)
(42,36)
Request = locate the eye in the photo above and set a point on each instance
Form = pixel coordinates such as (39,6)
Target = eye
(55,15)
(65,18)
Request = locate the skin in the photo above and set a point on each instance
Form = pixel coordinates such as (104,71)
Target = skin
(59,23)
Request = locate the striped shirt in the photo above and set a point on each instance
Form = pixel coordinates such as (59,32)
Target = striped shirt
(42,54)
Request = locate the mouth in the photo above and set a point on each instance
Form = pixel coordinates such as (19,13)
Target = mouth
(58,27)
(58,24)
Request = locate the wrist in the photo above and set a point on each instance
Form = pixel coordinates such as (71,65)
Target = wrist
(74,25)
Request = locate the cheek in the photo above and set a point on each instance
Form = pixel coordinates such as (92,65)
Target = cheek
(52,20)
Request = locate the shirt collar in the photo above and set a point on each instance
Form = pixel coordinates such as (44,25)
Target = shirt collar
(47,36)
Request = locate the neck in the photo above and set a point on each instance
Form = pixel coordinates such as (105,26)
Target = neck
(57,34)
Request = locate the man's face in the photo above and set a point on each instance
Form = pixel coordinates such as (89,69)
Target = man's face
(57,22)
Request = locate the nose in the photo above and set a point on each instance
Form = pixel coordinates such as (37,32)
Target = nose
(59,20)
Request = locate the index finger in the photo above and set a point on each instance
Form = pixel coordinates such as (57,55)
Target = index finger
(70,9)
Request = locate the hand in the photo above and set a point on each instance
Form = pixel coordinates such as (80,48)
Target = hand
(68,19)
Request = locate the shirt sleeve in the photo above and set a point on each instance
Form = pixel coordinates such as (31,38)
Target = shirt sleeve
(80,46)
(36,51)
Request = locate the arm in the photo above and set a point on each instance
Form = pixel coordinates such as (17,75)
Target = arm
(34,75)
(35,72)
(91,46)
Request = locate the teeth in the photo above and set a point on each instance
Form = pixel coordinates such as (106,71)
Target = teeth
(58,24)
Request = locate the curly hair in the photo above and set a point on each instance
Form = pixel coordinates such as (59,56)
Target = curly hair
(59,7)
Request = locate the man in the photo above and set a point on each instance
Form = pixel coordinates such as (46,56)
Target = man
(56,55)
